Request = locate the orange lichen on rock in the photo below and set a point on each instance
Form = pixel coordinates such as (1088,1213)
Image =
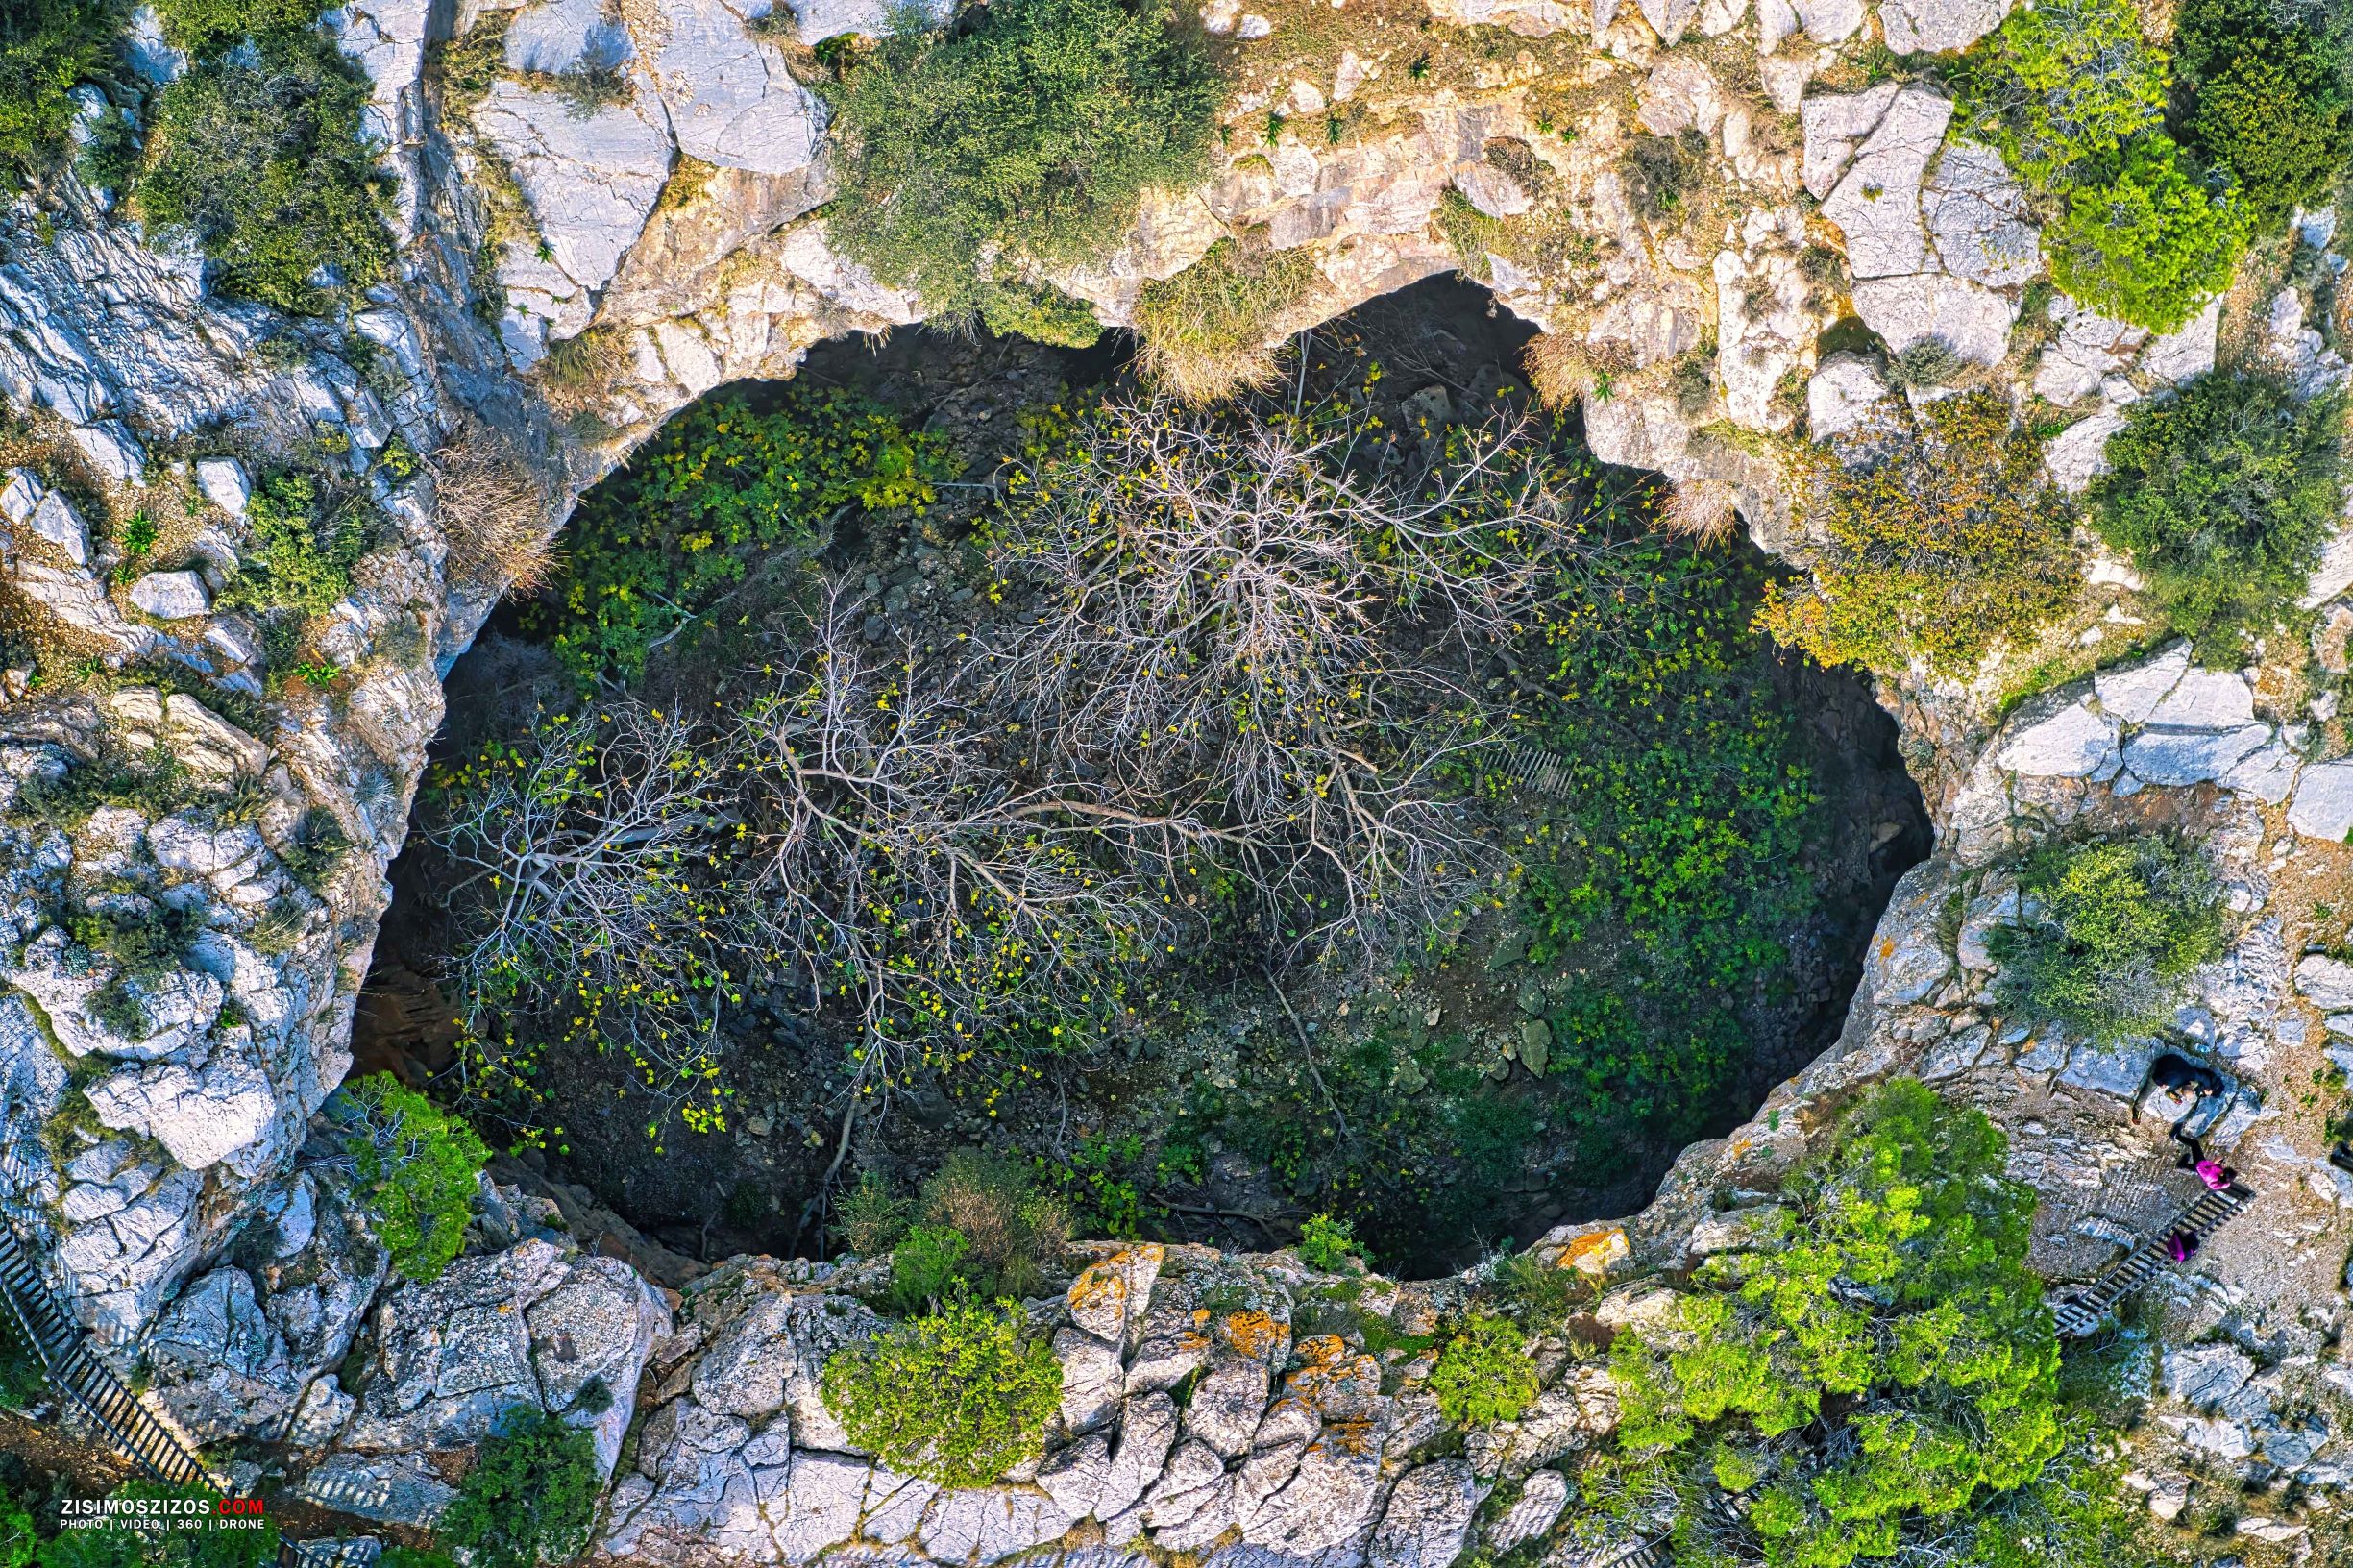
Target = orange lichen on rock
(1596,1251)
(1256,1335)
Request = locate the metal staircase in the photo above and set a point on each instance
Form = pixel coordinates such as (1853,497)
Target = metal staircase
(1540,770)
(2081,1312)
(46,1326)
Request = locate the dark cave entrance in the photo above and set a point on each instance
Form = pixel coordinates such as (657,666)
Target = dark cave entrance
(1435,1147)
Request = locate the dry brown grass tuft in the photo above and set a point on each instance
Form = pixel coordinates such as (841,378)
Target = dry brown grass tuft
(578,370)
(1558,368)
(495,511)
(1207,331)
(1700,509)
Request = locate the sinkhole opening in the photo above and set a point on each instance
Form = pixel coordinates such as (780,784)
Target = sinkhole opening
(1353,803)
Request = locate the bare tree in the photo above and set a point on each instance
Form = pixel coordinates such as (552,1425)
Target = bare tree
(590,867)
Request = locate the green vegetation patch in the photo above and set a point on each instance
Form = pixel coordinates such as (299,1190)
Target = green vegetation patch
(1029,131)
(1888,1362)
(984,1228)
(2222,497)
(416,1168)
(1942,541)
(529,1498)
(301,545)
(958,1397)
(2271,100)
(46,47)
(1483,1373)
(2117,928)
(2074,96)
(256,154)
(702,505)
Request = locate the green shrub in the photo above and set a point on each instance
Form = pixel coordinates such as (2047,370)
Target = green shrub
(46,46)
(417,1169)
(1204,330)
(529,1498)
(1327,1244)
(300,548)
(1483,1373)
(2062,88)
(19,1540)
(2269,103)
(1944,540)
(258,158)
(868,1219)
(1039,313)
(958,1397)
(1889,1360)
(2119,926)
(2073,95)
(2223,497)
(1014,1230)
(701,507)
(200,27)
(2148,244)
(929,1266)
(1030,131)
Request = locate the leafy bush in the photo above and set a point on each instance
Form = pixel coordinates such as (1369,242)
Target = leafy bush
(2269,103)
(300,546)
(417,1167)
(258,160)
(46,46)
(1327,1244)
(2223,497)
(1943,540)
(1890,1360)
(2148,244)
(529,1498)
(958,1397)
(1204,330)
(722,487)
(1483,1373)
(1030,132)
(929,1266)
(1041,313)
(1013,1230)
(2073,95)
(20,1541)
(869,1219)
(2063,88)
(200,27)
(2117,927)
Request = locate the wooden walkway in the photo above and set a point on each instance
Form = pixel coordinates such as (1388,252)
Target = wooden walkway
(2082,1311)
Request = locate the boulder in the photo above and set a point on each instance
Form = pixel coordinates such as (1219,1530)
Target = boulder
(224,484)
(731,101)
(2323,804)
(1926,27)
(1428,1517)
(2073,743)
(1972,320)
(1843,394)
(2182,757)
(218,1364)
(1877,202)
(1980,219)
(172,596)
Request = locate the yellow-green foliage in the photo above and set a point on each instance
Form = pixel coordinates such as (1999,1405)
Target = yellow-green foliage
(1483,1373)
(1028,133)
(1885,1359)
(416,1168)
(2116,929)
(1944,540)
(958,1397)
